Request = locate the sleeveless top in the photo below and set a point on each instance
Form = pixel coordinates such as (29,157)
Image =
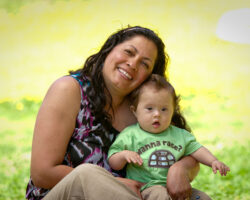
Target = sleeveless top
(86,144)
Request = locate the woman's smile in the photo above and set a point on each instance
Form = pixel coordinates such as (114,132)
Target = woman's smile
(124,73)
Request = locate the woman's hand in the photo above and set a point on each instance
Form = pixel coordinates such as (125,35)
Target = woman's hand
(179,176)
(132,184)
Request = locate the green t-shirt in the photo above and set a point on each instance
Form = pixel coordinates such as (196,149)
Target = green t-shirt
(158,151)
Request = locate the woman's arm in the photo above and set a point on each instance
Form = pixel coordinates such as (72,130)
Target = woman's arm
(179,177)
(53,129)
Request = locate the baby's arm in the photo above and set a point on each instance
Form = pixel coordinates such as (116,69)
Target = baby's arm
(118,160)
(204,156)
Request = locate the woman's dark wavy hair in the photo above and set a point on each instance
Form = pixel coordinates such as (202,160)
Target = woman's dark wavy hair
(159,82)
(94,64)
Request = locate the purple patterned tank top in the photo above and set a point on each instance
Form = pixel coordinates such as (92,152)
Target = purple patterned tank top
(86,144)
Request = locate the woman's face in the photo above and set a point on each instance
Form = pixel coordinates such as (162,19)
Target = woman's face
(129,64)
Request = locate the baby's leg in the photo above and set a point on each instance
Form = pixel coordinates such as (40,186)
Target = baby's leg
(159,192)
(199,195)
(156,192)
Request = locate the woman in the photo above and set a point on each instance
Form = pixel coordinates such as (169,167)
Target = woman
(81,115)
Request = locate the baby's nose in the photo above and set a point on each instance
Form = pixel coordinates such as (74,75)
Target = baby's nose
(156,113)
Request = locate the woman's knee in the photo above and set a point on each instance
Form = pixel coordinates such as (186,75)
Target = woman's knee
(86,170)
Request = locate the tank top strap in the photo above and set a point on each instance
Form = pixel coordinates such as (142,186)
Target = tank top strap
(81,79)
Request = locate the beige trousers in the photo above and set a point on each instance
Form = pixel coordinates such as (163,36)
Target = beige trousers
(156,192)
(91,182)
(159,192)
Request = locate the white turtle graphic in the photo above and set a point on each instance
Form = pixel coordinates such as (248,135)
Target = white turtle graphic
(161,158)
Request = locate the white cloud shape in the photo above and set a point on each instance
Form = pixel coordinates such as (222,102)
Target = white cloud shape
(234,26)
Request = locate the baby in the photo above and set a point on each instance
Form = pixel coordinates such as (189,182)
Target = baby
(159,139)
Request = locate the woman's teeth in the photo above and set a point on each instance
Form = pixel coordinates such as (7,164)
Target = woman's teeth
(125,73)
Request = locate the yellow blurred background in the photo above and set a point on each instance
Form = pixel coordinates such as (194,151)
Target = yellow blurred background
(40,40)
(208,42)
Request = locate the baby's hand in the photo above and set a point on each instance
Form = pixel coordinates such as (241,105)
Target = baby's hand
(132,157)
(223,169)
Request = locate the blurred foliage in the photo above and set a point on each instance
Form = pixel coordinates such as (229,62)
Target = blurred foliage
(17,120)
(16,110)
(16,124)
(13,6)
(234,185)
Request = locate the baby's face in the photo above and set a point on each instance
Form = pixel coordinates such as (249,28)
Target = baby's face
(154,110)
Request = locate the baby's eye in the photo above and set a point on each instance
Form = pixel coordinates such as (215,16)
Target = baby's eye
(163,109)
(149,108)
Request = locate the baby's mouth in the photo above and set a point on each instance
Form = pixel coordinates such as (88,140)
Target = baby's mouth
(156,124)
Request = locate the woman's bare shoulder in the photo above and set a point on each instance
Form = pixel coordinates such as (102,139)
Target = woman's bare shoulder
(64,95)
(66,83)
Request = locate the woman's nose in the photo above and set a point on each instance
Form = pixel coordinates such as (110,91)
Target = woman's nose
(133,64)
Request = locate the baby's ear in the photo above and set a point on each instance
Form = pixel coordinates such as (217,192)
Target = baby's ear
(132,108)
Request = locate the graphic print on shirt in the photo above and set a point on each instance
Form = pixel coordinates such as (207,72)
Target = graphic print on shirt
(161,159)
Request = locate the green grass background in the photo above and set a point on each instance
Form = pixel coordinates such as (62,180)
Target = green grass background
(40,40)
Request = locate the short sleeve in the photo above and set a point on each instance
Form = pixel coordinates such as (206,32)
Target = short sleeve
(191,144)
(122,142)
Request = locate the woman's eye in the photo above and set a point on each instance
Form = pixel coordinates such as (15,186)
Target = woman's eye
(145,64)
(129,52)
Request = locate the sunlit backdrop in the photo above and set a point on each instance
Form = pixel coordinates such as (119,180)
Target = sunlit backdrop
(208,43)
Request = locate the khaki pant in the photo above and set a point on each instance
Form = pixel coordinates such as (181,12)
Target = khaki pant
(159,192)
(91,182)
